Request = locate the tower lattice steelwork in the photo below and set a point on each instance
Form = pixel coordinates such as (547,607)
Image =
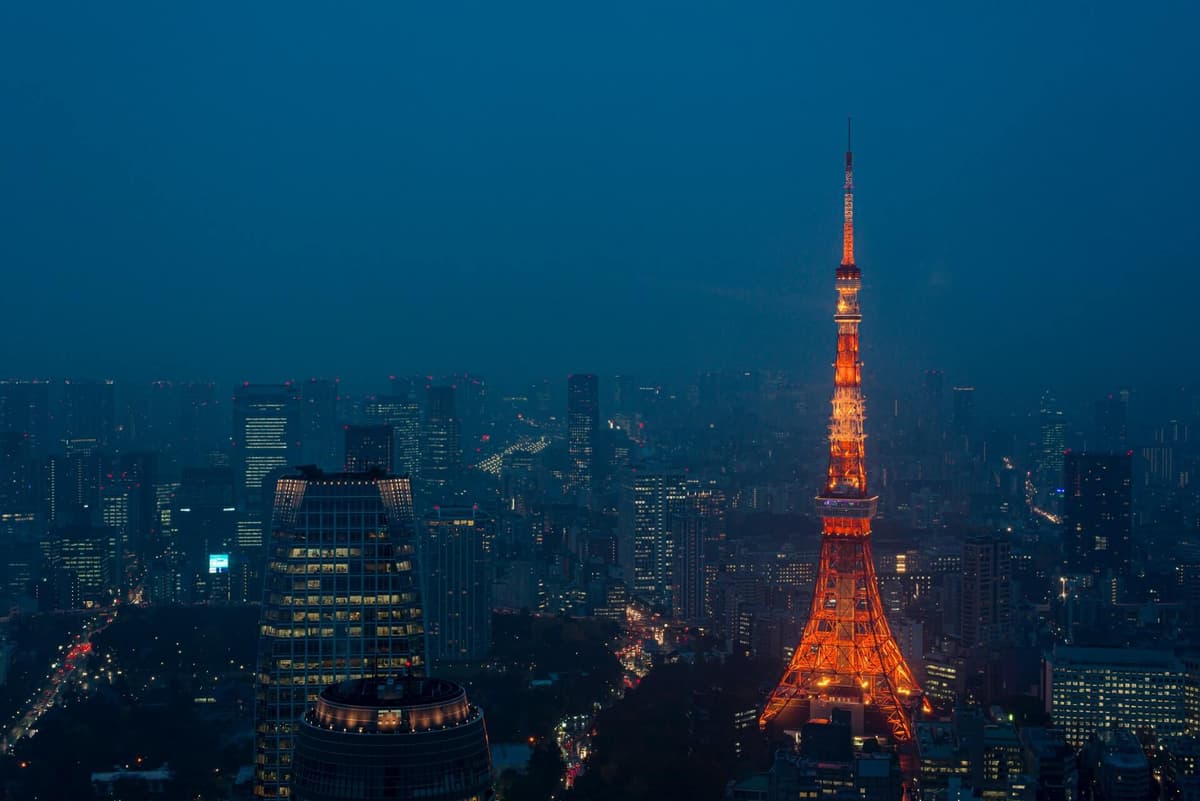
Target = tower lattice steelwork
(847,655)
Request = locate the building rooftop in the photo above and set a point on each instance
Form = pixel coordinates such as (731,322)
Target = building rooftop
(1122,750)
(392,692)
(392,705)
(1140,657)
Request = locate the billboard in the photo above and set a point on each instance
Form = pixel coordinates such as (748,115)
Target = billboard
(218,563)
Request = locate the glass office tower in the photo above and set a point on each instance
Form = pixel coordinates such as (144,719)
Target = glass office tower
(341,602)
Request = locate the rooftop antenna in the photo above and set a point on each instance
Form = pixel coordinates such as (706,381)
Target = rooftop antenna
(848,204)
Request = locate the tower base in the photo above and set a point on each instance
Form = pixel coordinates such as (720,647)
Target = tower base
(866,719)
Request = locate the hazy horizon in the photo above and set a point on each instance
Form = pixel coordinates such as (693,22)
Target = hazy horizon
(639,189)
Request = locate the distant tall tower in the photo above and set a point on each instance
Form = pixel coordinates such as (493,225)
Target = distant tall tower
(90,408)
(1053,435)
(583,418)
(689,579)
(456,568)
(647,500)
(319,430)
(441,445)
(353,613)
(404,416)
(264,441)
(847,657)
(369,447)
(73,482)
(1097,519)
(18,477)
(964,410)
(25,409)
(1112,423)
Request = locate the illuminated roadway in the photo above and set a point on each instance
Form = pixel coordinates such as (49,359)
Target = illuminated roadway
(63,670)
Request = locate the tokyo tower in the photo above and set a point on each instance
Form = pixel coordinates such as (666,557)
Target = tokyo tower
(847,657)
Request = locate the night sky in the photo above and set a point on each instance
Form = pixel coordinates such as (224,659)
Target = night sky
(267,190)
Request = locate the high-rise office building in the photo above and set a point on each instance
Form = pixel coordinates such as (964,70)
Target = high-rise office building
(205,521)
(457,592)
(1097,519)
(85,565)
(689,578)
(986,603)
(441,438)
(25,409)
(404,416)
(89,410)
(1052,431)
(647,499)
(368,447)
(964,410)
(264,440)
(583,420)
(319,432)
(1088,689)
(389,739)
(137,474)
(72,482)
(341,602)
(933,387)
(1112,423)
(18,476)
(203,423)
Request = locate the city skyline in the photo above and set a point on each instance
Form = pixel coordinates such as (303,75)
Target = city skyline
(369,369)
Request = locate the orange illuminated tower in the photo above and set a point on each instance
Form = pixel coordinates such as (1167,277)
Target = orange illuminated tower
(847,657)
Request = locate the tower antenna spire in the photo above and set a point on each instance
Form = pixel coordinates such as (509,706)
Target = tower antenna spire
(848,204)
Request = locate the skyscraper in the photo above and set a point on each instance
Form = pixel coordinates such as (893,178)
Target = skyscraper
(17,473)
(441,440)
(205,519)
(393,739)
(583,418)
(964,411)
(1112,423)
(85,565)
(73,481)
(264,440)
(25,409)
(457,593)
(203,426)
(647,499)
(1097,519)
(1053,442)
(90,410)
(319,432)
(341,602)
(368,447)
(986,591)
(847,657)
(689,577)
(404,416)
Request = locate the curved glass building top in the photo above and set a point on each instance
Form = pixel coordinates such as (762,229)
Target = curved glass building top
(392,738)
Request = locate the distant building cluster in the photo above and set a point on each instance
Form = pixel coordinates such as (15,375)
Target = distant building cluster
(1038,571)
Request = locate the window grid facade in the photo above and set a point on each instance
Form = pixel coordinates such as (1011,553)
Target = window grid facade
(1098,688)
(341,602)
